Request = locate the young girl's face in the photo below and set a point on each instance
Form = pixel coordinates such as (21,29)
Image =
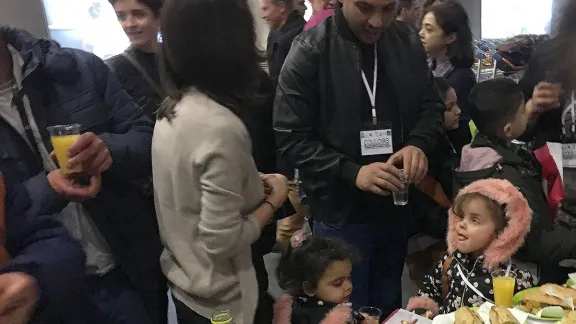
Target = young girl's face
(335,286)
(475,227)
(452,113)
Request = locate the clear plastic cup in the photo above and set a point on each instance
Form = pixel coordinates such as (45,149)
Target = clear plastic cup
(62,137)
(371,315)
(503,284)
(401,197)
(222,316)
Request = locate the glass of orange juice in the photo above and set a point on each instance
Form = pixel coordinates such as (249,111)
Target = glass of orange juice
(63,136)
(503,283)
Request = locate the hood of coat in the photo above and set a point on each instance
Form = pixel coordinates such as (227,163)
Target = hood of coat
(478,158)
(518,217)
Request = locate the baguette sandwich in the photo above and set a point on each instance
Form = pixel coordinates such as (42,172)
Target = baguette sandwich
(534,300)
(501,315)
(465,315)
(569,318)
(560,290)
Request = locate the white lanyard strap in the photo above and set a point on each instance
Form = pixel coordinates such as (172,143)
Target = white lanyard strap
(467,282)
(372,92)
(471,286)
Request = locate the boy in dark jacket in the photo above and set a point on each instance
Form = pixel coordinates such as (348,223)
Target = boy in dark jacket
(499,112)
(46,271)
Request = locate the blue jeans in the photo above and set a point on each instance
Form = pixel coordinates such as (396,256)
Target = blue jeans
(116,299)
(377,276)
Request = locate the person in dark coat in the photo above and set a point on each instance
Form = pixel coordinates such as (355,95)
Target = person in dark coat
(45,85)
(258,121)
(137,67)
(41,267)
(500,115)
(137,71)
(354,105)
(447,38)
(549,87)
(285,24)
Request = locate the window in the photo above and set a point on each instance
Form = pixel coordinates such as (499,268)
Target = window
(507,18)
(89,25)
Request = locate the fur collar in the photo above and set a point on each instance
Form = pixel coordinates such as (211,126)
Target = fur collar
(518,216)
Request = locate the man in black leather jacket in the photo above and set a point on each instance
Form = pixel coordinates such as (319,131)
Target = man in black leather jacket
(349,144)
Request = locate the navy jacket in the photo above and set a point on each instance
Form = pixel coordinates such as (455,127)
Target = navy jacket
(67,86)
(41,247)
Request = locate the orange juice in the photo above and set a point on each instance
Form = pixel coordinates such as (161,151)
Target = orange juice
(503,290)
(61,145)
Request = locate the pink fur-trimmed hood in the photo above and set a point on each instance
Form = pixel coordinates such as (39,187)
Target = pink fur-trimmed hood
(518,217)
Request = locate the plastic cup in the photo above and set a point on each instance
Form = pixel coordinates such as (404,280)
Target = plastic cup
(503,284)
(222,317)
(63,136)
(371,315)
(401,197)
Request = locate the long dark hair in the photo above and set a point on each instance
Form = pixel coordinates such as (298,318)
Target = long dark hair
(209,45)
(566,22)
(453,19)
(561,54)
(443,87)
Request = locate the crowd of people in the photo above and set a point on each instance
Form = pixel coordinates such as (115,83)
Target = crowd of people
(197,160)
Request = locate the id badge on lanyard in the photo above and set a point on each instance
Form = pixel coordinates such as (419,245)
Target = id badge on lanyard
(375,139)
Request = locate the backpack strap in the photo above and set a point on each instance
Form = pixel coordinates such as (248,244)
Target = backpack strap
(4,256)
(445,277)
(143,72)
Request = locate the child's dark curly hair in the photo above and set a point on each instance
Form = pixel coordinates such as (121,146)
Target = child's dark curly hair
(307,263)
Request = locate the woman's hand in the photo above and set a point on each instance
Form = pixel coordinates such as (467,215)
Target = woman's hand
(276,188)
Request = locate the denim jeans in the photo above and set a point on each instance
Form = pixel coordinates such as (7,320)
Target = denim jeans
(377,276)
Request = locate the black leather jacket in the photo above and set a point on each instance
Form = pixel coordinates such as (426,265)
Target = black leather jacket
(316,112)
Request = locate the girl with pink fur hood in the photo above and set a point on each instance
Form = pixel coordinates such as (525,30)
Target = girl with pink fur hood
(486,225)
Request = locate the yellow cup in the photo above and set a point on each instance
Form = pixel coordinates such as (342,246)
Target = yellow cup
(63,136)
(503,284)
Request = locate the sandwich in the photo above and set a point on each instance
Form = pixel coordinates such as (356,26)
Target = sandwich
(465,315)
(560,290)
(534,300)
(501,315)
(569,318)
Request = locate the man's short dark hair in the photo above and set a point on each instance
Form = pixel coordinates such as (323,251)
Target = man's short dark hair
(154,5)
(494,103)
(404,4)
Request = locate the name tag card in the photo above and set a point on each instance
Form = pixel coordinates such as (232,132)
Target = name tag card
(376,142)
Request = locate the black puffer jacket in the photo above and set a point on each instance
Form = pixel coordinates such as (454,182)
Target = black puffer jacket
(316,112)
(546,244)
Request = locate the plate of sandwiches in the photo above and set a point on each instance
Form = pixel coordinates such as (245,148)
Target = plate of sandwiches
(548,302)
(486,314)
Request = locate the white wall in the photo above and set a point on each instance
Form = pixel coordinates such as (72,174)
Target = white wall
(25,14)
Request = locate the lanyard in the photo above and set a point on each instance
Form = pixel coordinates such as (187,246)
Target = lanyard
(372,92)
(471,286)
